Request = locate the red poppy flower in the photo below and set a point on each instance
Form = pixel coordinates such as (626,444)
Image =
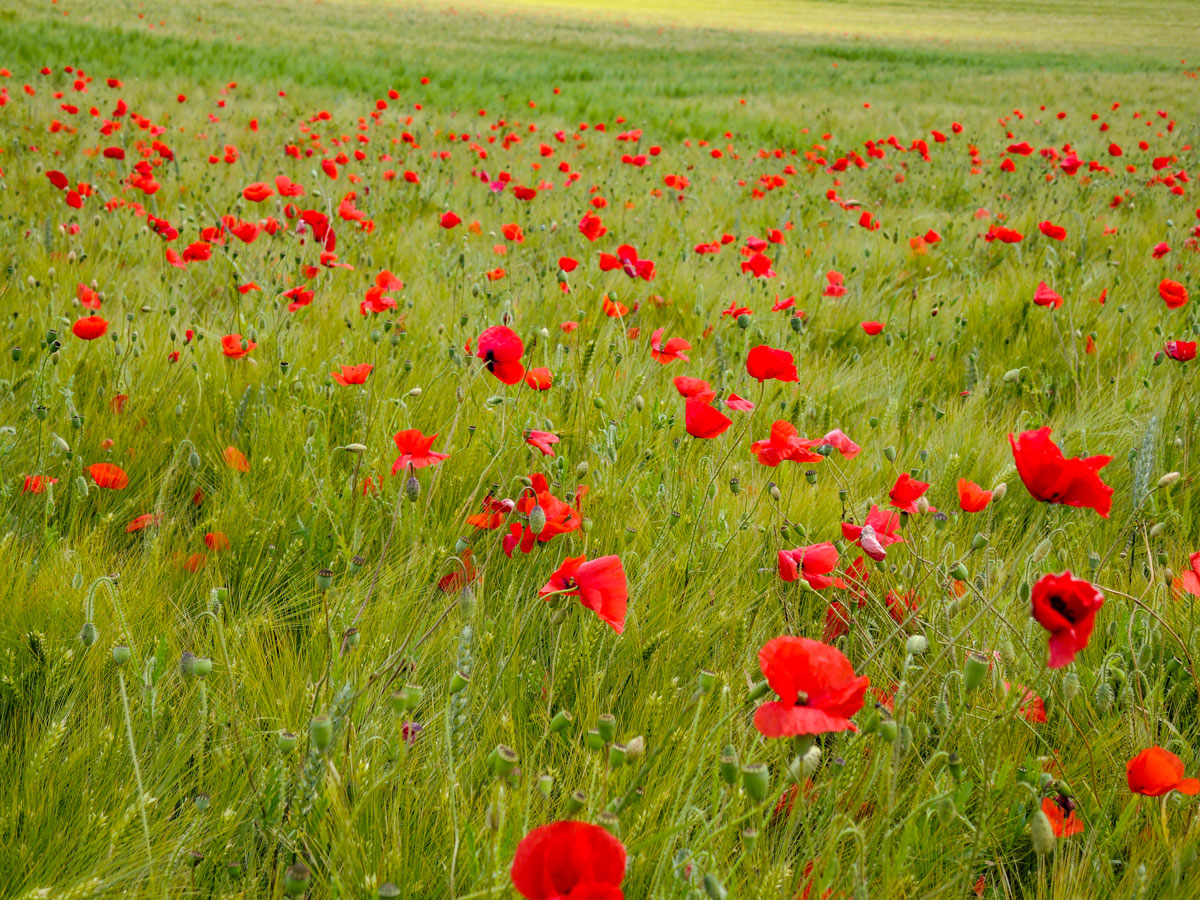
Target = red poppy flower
(701,420)
(1185,582)
(883,525)
(694,388)
(818,690)
(784,444)
(906,491)
(143,521)
(414,450)
(36,484)
(460,576)
(971,497)
(1065,606)
(1181,351)
(1050,230)
(838,440)
(741,404)
(901,607)
(1033,707)
(352,374)
(1064,822)
(759,265)
(236,459)
(89,328)
(542,440)
(672,350)
(216,541)
(449,220)
(1046,296)
(231,346)
(493,515)
(612,309)
(1161,249)
(88,298)
(591,227)
(627,260)
(106,475)
(836,286)
(569,861)
(257,192)
(500,348)
(567,264)
(1051,478)
(599,584)
(561,518)
(1156,771)
(1173,293)
(763,362)
(812,563)
(872,328)
(539,378)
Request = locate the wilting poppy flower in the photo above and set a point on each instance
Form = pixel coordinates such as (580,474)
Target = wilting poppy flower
(414,450)
(106,475)
(812,563)
(763,362)
(838,440)
(905,493)
(1051,478)
(701,420)
(1185,582)
(542,440)
(500,348)
(599,584)
(352,374)
(36,484)
(1173,293)
(1156,771)
(627,260)
(1033,707)
(872,328)
(882,523)
(784,444)
(818,690)
(236,459)
(231,346)
(672,350)
(1181,351)
(569,861)
(1047,296)
(1065,606)
(1063,821)
(539,378)
(89,328)
(971,497)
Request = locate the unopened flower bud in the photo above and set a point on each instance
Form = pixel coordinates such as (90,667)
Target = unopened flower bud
(917,644)
(922,505)
(974,671)
(1041,551)
(712,887)
(999,491)
(1041,833)
(412,488)
(759,691)
(1169,479)
(88,634)
(635,748)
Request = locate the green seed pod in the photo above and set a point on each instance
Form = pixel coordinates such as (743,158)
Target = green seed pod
(593,740)
(606,724)
(324,579)
(609,822)
(712,887)
(545,784)
(978,542)
(296,879)
(616,756)
(797,324)
(562,719)
(974,672)
(728,766)
(735,486)
(889,730)
(502,760)
(458,681)
(959,572)
(890,453)
(756,781)
(286,742)
(749,839)
(121,654)
(811,476)
(759,691)
(320,732)
(202,667)
(576,801)
(743,321)
(706,680)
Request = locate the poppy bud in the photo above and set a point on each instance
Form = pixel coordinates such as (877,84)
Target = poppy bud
(797,323)
(974,671)
(1157,528)
(1023,591)
(1041,833)
(728,766)
(537,519)
(870,724)
(88,634)
(186,661)
(458,681)
(616,756)
(1012,376)
(121,654)
(598,402)
(1041,551)
(917,644)
(773,491)
(759,691)
(576,801)
(889,730)
(749,839)
(320,732)
(890,453)
(1169,479)
(502,760)
(412,488)
(296,879)
(285,741)
(756,781)
(1070,686)
(16,354)
(561,720)
(387,891)
(959,572)
(999,491)
(606,724)
(713,888)
(954,764)
(202,667)
(945,810)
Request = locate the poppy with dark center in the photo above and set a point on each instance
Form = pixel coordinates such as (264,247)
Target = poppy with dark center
(493,515)
(1156,771)
(569,860)
(599,584)
(501,348)
(1066,607)
(626,259)
(812,563)
(415,450)
(818,690)
(670,351)
(1051,478)
(785,444)
(1060,810)
(352,374)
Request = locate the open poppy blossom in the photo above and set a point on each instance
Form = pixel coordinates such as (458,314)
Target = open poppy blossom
(812,563)
(235,347)
(352,374)
(543,440)
(87,296)
(702,420)
(785,444)
(906,492)
(560,517)
(89,328)
(539,378)
(599,584)
(1047,296)
(37,484)
(818,690)
(971,497)
(236,459)
(108,476)
(1180,351)
(257,192)
(1051,478)
(626,259)
(763,362)
(872,328)
(1173,293)
(1066,607)
(415,450)
(740,404)
(1060,811)
(1188,582)
(840,441)
(501,348)
(880,527)
(569,860)
(672,350)
(694,388)
(1156,771)
(493,515)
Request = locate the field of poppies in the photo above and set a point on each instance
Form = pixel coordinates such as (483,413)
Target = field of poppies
(555,450)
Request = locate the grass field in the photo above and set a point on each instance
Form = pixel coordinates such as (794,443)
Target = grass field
(242,640)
